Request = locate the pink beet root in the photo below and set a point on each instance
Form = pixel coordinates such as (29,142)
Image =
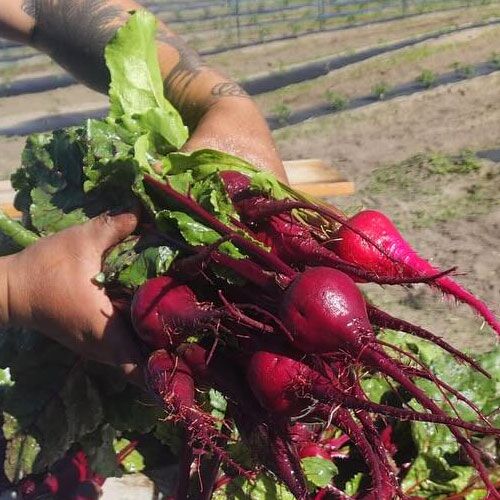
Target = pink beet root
(165,312)
(270,376)
(401,260)
(324,310)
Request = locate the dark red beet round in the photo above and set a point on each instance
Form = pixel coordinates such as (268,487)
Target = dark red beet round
(271,377)
(163,312)
(171,377)
(324,310)
(195,358)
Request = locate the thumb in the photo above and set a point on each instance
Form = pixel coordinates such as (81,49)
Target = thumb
(107,230)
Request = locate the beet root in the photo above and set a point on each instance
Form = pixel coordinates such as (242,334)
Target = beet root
(171,380)
(166,312)
(399,258)
(325,311)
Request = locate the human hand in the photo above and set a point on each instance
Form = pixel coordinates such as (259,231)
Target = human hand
(49,287)
(236,126)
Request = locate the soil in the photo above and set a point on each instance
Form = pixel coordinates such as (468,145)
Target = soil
(460,50)
(275,55)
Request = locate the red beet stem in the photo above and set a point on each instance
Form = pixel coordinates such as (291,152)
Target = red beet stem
(385,320)
(266,258)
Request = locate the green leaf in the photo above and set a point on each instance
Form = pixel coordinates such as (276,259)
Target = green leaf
(48,218)
(218,404)
(21,451)
(211,194)
(319,471)
(352,486)
(131,411)
(375,387)
(435,471)
(182,182)
(99,448)
(136,88)
(170,435)
(109,139)
(5,378)
(151,262)
(263,488)
(205,162)
(431,477)
(52,402)
(266,183)
(478,494)
(194,232)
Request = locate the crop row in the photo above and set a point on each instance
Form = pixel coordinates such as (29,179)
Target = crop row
(219,28)
(282,115)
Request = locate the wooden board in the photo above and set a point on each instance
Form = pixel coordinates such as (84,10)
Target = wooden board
(313,177)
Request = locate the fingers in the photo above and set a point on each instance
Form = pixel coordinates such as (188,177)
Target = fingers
(118,348)
(108,230)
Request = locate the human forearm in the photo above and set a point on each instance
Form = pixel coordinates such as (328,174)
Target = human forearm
(75,32)
(5,263)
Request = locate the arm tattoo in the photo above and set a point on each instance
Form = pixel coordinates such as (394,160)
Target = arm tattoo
(188,67)
(74,33)
(228,89)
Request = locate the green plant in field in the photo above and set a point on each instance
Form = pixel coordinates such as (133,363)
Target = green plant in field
(463,70)
(282,113)
(336,100)
(410,177)
(380,90)
(427,78)
(495,60)
(295,28)
(464,163)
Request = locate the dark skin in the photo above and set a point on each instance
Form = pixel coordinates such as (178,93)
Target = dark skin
(45,285)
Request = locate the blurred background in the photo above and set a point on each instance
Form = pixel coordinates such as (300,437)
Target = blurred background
(400,96)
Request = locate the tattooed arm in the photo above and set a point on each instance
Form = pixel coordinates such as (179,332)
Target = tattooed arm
(75,32)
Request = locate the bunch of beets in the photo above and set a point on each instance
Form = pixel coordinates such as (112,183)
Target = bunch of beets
(286,349)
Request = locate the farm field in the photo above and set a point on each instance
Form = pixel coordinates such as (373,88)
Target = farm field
(456,223)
